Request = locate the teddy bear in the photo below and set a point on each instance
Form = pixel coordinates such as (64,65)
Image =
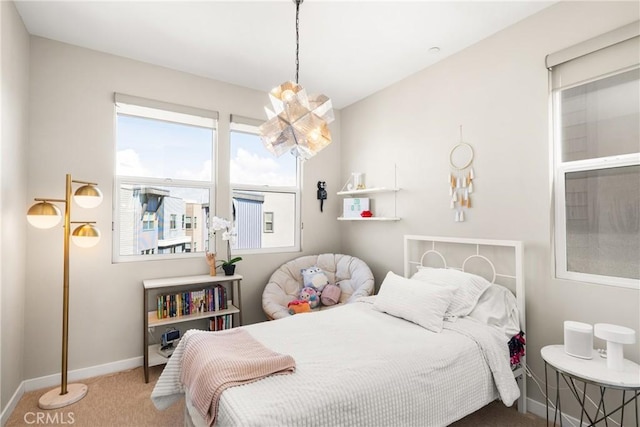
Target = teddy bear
(314,277)
(310,295)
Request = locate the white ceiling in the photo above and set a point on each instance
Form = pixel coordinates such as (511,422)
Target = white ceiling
(348,49)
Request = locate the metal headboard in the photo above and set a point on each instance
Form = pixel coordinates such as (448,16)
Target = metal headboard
(507,254)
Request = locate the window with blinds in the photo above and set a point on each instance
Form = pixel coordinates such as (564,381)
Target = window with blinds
(595,92)
(164,179)
(265,191)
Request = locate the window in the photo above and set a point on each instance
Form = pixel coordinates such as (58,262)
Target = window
(268,222)
(262,183)
(596,113)
(164,178)
(148,221)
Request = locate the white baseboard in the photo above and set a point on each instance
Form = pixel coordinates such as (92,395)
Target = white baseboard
(539,409)
(11,405)
(72,376)
(84,373)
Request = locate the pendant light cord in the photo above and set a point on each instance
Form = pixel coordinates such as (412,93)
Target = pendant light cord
(297,38)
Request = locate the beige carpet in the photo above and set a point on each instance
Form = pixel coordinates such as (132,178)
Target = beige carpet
(122,400)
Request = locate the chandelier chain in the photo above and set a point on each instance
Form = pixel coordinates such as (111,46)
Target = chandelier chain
(297,38)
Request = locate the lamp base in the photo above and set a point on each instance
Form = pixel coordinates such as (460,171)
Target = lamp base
(53,399)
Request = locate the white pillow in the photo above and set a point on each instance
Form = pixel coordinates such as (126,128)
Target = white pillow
(468,287)
(414,301)
(498,308)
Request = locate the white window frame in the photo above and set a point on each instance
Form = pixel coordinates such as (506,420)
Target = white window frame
(561,215)
(267,222)
(146,108)
(248,125)
(594,59)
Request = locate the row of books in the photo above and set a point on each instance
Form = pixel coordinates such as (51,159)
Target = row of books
(221,323)
(185,303)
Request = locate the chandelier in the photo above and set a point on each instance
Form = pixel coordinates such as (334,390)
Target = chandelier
(298,123)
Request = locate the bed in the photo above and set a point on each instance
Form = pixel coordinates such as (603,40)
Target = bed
(365,364)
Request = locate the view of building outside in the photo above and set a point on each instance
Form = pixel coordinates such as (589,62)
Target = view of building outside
(265,191)
(164,174)
(155,222)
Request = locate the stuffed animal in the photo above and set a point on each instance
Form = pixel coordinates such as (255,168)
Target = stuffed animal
(314,277)
(310,295)
(298,306)
(330,295)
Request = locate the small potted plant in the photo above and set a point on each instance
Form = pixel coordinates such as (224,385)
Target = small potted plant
(218,224)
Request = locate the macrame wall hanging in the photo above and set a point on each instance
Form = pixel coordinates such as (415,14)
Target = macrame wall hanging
(461,178)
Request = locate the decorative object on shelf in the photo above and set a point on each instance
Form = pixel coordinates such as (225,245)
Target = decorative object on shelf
(616,336)
(211,260)
(171,336)
(366,214)
(230,269)
(229,234)
(355,182)
(46,215)
(461,178)
(358,180)
(299,123)
(354,206)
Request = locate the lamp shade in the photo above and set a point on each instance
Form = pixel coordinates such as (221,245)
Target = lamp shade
(298,122)
(88,196)
(86,236)
(44,215)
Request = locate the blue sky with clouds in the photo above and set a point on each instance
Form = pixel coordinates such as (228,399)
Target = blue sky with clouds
(160,149)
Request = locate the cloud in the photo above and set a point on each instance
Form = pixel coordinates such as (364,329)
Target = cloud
(204,174)
(128,163)
(249,168)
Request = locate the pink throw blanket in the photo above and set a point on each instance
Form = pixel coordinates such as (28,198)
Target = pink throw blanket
(213,362)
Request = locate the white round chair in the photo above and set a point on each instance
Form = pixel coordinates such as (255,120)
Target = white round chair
(351,274)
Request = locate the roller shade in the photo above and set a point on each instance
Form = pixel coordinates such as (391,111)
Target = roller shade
(244,124)
(610,52)
(143,107)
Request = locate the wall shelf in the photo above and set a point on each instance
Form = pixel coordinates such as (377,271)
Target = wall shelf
(372,218)
(367,191)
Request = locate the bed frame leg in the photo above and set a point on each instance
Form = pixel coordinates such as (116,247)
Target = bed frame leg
(522,384)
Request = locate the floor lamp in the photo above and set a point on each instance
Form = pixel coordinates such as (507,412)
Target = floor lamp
(45,214)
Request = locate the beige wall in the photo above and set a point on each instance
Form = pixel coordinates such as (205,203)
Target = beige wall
(497,90)
(72,131)
(14,70)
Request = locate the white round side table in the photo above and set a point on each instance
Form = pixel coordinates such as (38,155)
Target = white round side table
(574,370)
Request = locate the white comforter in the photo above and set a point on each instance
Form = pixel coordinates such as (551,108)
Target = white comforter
(358,366)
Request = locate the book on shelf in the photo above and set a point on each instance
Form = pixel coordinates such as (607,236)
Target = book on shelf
(186,303)
(221,323)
